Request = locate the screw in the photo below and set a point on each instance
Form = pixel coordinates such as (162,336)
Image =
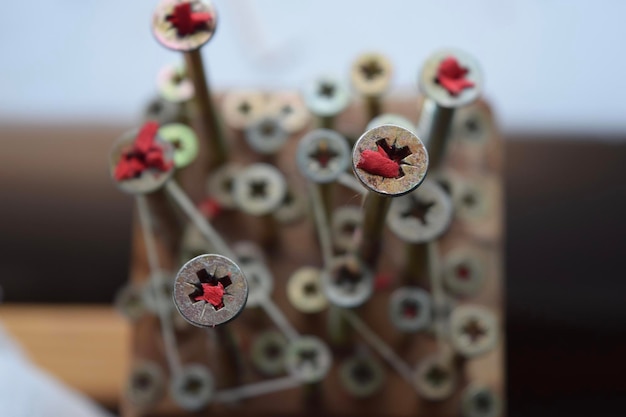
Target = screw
(242,108)
(184,141)
(473,330)
(293,207)
(129,302)
(266,135)
(449,79)
(348,283)
(390,161)
(410,309)
(157,292)
(304,290)
(210,290)
(362,376)
(435,378)
(471,200)
(480,401)
(289,108)
(174,85)
(259,189)
(391,119)
(248,253)
(463,272)
(220,184)
(346,220)
(147,177)
(185,26)
(326,97)
(193,387)
(146,384)
(268,353)
(472,125)
(371,77)
(260,283)
(308,359)
(163,111)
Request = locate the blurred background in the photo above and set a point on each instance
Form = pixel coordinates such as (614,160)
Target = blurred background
(74,75)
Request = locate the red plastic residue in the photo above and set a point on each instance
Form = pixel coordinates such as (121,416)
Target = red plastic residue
(186,21)
(144,154)
(451,76)
(212,294)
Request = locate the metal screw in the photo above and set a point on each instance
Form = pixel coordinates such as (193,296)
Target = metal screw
(266,135)
(150,179)
(157,292)
(194,281)
(268,353)
(174,85)
(167,33)
(322,155)
(473,330)
(259,189)
(346,220)
(243,107)
(146,384)
(472,125)
(248,253)
(391,119)
(349,282)
(129,302)
(220,184)
(480,401)
(192,388)
(410,309)
(304,290)
(326,97)
(362,376)
(293,207)
(440,102)
(435,378)
(463,272)
(471,200)
(308,359)
(184,141)
(163,111)
(289,108)
(260,283)
(371,77)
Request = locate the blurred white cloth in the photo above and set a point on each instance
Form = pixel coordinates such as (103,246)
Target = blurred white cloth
(27,391)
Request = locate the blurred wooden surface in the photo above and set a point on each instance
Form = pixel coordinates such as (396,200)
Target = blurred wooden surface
(86,347)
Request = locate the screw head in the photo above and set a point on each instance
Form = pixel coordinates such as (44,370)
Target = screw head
(146,384)
(421,216)
(471,200)
(346,220)
(184,142)
(480,401)
(195,279)
(362,376)
(163,111)
(371,74)
(260,283)
(174,84)
(349,282)
(326,96)
(293,207)
(221,183)
(473,330)
(400,145)
(289,108)
(241,108)
(129,302)
(392,119)
(259,189)
(304,290)
(435,378)
(323,155)
(167,33)
(157,293)
(150,179)
(410,309)
(472,125)
(268,353)
(435,91)
(308,359)
(266,135)
(192,389)
(463,272)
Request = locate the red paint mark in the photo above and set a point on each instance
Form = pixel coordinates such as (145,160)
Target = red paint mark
(144,154)
(379,163)
(463,272)
(212,294)
(186,21)
(210,208)
(382,282)
(410,311)
(451,76)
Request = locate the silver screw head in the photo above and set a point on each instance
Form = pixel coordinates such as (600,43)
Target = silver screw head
(293,207)
(473,330)
(392,119)
(326,96)
(480,401)
(192,389)
(174,85)
(463,272)
(289,108)
(163,111)
(422,215)
(129,302)
(150,179)
(199,285)
(259,189)
(472,125)
(241,108)
(179,36)
(308,359)
(435,90)
(260,283)
(393,145)
(266,135)
(323,155)
(248,253)
(221,183)
(410,309)
(362,376)
(471,200)
(183,140)
(349,283)
(268,353)
(146,384)
(304,290)
(346,220)
(157,292)
(371,74)
(435,378)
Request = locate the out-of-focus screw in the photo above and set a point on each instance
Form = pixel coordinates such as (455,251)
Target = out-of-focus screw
(346,220)
(472,125)
(473,330)
(362,376)
(184,141)
(304,290)
(435,377)
(174,85)
(221,182)
(391,119)
(463,272)
(259,189)
(449,79)
(308,359)
(266,135)
(410,309)
(157,292)
(146,384)
(129,302)
(163,111)
(210,290)
(260,283)
(471,200)
(371,77)
(326,97)
(480,401)
(293,208)
(268,353)
(349,282)
(241,108)
(192,388)
(289,108)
